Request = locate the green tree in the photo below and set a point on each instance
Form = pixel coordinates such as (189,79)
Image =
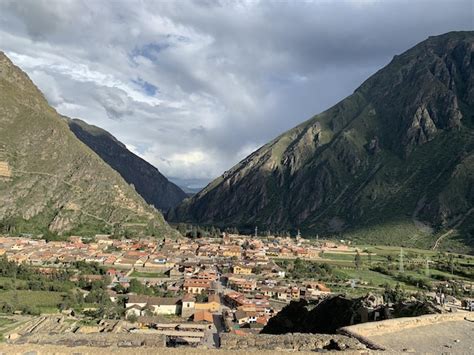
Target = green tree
(357,260)
(132,318)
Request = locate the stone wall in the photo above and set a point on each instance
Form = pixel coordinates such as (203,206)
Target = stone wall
(96,340)
(295,342)
(393,325)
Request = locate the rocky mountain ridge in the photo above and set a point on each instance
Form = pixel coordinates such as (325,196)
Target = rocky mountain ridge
(391,163)
(155,188)
(55,181)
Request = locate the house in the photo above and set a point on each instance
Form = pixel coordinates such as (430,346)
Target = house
(165,305)
(203,316)
(252,316)
(232,251)
(112,295)
(212,305)
(155,305)
(134,310)
(188,308)
(196,286)
(241,317)
(241,269)
(293,293)
(316,288)
(242,285)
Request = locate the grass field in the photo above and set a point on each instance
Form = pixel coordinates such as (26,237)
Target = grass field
(4,323)
(9,282)
(369,278)
(44,301)
(373,278)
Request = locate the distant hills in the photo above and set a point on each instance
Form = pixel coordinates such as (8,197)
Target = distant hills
(147,180)
(50,180)
(392,163)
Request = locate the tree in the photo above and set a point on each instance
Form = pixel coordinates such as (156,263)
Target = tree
(357,261)
(7,308)
(202,297)
(182,228)
(369,256)
(132,318)
(451,263)
(119,288)
(139,288)
(393,295)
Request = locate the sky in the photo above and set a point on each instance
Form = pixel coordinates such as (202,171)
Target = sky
(193,87)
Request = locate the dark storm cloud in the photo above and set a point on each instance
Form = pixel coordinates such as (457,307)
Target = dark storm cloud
(194,86)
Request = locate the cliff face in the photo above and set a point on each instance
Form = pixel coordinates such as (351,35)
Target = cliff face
(392,162)
(147,180)
(56,182)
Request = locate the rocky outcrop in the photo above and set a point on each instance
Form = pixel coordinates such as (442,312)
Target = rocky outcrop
(389,326)
(103,340)
(325,317)
(289,342)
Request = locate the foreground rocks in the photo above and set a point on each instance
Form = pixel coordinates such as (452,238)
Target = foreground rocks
(102,340)
(295,342)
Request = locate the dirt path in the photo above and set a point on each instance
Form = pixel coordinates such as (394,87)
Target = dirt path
(449,232)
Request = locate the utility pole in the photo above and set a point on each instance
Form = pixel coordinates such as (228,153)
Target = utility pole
(401,260)
(256,231)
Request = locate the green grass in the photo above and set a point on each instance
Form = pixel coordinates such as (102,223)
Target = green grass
(9,281)
(44,301)
(372,277)
(349,257)
(4,323)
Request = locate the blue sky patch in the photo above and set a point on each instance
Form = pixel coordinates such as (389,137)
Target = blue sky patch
(150,50)
(148,88)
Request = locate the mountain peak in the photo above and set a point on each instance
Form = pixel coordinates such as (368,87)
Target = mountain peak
(390,154)
(146,179)
(56,182)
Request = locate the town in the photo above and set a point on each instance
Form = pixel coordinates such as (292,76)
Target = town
(193,290)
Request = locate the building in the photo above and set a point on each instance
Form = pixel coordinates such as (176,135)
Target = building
(203,316)
(188,306)
(213,304)
(140,305)
(241,269)
(196,286)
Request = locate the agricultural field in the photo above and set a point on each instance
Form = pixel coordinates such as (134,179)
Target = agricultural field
(379,266)
(41,301)
(5,324)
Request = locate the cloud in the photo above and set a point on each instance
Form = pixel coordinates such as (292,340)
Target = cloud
(195,86)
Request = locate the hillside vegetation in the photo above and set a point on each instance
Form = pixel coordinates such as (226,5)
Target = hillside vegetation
(393,163)
(55,182)
(155,188)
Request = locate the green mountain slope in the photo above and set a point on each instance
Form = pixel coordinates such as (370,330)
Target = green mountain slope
(391,163)
(51,180)
(148,181)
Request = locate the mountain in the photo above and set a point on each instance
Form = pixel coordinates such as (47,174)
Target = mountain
(148,181)
(50,180)
(391,163)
